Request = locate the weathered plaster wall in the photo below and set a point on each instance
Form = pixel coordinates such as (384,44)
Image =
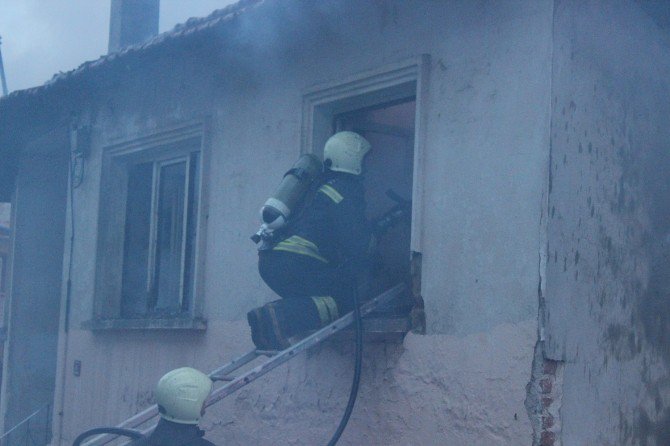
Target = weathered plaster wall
(607,274)
(486,155)
(411,393)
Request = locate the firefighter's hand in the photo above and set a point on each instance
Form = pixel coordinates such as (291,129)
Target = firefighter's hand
(391,218)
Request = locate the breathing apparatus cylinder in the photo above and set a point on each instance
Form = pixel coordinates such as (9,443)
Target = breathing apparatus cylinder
(277,209)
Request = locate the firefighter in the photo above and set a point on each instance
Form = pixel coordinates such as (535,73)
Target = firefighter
(180,395)
(312,263)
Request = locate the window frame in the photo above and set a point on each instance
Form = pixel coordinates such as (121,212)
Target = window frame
(161,148)
(154,222)
(396,81)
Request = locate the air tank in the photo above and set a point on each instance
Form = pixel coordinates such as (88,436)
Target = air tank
(291,191)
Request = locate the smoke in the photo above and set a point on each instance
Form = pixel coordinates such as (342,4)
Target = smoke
(41,38)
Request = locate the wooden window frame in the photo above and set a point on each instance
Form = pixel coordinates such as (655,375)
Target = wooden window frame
(161,148)
(395,81)
(404,79)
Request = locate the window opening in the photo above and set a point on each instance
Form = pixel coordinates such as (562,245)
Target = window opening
(160,233)
(385,105)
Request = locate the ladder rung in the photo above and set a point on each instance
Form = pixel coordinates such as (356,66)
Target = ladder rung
(221,377)
(268,353)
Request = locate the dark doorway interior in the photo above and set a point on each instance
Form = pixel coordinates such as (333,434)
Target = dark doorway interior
(389,127)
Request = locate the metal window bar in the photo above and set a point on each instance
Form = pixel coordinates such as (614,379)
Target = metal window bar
(275,359)
(31,431)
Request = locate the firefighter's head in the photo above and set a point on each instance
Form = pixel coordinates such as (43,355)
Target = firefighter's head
(345,151)
(181,394)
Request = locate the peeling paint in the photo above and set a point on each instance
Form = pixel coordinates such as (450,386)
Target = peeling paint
(607,297)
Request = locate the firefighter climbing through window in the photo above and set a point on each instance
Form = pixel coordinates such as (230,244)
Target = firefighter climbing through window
(310,261)
(311,254)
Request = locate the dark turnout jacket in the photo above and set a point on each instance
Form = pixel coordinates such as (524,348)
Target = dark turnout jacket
(168,433)
(314,265)
(332,227)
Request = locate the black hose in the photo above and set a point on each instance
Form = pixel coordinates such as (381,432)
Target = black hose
(357,370)
(107,430)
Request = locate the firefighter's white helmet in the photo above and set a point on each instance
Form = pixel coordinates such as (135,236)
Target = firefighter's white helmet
(344,152)
(181,394)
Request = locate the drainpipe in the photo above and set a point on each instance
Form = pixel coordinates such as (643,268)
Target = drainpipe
(2,72)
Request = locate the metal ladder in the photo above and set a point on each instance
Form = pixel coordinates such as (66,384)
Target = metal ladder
(275,359)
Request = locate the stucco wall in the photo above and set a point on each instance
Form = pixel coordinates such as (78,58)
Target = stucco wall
(486,155)
(607,274)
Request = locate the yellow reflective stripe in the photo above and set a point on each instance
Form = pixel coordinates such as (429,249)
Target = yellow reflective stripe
(297,240)
(276,326)
(322,309)
(299,245)
(327,308)
(331,192)
(332,307)
(300,250)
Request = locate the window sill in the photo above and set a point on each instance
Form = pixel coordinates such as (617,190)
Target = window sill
(381,328)
(195,324)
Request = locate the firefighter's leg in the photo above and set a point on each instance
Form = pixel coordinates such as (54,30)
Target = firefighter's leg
(313,297)
(259,335)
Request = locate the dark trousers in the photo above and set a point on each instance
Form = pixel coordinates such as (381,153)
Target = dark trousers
(297,278)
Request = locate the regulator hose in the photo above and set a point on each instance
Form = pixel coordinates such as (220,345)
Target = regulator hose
(107,430)
(357,370)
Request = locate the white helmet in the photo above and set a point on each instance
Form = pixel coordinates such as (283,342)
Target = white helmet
(181,393)
(344,152)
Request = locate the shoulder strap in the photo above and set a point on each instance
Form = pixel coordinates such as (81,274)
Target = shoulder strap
(308,198)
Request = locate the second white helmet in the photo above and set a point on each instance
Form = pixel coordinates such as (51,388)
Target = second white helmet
(181,394)
(344,152)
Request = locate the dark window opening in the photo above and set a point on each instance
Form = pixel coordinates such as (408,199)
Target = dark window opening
(389,128)
(159,241)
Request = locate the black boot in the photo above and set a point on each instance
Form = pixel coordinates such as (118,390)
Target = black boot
(274,323)
(258,336)
(268,328)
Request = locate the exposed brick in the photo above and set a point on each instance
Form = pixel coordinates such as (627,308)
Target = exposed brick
(546,402)
(550,367)
(545,385)
(547,439)
(547,422)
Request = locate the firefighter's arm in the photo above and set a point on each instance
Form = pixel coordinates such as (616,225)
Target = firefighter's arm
(354,233)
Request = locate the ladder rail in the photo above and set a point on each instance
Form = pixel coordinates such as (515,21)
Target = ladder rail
(235,364)
(251,375)
(152,411)
(299,347)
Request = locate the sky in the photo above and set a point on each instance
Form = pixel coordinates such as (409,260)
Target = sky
(43,37)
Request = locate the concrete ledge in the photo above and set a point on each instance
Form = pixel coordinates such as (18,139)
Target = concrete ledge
(198,324)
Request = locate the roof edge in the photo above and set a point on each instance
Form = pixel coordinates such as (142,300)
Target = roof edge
(192,26)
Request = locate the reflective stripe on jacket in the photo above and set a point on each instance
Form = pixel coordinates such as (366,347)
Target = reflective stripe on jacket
(299,245)
(332,227)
